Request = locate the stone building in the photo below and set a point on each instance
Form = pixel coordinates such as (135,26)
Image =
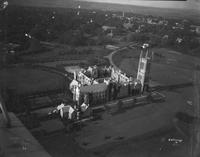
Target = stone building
(120,77)
(100,85)
(97,93)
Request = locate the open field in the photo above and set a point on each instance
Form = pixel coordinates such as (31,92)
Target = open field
(64,54)
(129,133)
(133,122)
(28,80)
(168,67)
(156,145)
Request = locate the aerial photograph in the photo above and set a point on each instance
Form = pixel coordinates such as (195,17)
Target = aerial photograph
(99,78)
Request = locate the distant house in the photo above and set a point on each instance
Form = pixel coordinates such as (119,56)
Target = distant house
(165,36)
(114,15)
(178,26)
(179,40)
(152,21)
(163,22)
(140,28)
(137,30)
(106,28)
(128,25)
(111,34)
(195,28)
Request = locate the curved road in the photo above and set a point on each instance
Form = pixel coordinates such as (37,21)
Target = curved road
(110,56)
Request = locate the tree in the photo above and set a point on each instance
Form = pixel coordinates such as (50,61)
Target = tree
(74,38)
(103,40)
(138,37)
(154,40)
(39,32)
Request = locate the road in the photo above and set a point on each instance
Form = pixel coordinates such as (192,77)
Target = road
(110,56)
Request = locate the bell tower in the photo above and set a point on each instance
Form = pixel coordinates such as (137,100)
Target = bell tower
(144,65)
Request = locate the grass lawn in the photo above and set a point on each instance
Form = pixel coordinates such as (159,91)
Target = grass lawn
(26,80)
(168,67)
(65,52)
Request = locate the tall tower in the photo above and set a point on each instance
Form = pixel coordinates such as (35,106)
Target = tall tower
(144,66)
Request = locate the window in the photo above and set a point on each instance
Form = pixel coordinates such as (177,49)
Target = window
(141,65)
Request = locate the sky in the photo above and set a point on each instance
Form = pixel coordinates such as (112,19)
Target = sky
(190,4)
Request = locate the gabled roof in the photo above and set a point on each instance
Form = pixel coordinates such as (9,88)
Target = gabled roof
(74,83)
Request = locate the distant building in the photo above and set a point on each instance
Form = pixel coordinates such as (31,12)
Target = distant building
(128,25)
(106,28)
(111,34)
(140,28)
(150,21)
(179,40)
(114,15)
(178,26)
(195,28)
(165,36)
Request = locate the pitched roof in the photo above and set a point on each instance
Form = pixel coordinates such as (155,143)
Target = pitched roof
(95,88)
(74,82)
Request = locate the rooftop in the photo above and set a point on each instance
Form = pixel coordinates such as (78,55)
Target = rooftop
(95,88)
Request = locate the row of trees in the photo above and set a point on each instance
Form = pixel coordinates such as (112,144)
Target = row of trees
(188,42)
(50,24)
